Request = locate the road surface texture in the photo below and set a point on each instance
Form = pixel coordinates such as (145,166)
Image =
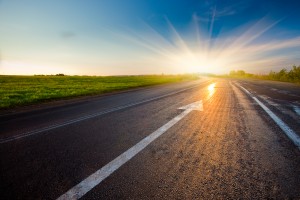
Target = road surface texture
(233,149)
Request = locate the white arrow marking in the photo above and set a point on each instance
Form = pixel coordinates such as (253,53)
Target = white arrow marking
(93,180)
(297,109)
(193,106)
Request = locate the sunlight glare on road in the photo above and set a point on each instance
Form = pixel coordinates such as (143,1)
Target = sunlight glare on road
(211,89)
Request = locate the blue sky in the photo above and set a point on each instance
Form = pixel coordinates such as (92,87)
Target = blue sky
(115,37)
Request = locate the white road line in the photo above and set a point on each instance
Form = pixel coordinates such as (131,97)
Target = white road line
(286,129)
(34,132)
(90,182)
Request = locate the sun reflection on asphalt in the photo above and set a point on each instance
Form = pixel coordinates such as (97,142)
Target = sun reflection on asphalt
(211,89)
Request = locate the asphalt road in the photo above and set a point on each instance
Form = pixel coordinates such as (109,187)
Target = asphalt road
(233,149)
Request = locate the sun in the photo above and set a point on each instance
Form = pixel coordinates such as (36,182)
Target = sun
(189,61)
(196,63)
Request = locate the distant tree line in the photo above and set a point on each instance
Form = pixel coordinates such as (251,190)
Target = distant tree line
(50,75)
(292,75)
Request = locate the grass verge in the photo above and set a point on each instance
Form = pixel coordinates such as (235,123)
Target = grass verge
(26,90)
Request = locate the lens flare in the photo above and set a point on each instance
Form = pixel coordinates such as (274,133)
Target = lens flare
(200,52)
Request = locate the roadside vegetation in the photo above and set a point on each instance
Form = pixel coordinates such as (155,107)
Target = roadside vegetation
(292,75)
(25,90)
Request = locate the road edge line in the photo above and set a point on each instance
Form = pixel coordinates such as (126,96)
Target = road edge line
(284,127)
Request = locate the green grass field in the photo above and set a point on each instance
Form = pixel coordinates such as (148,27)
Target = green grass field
(26,90)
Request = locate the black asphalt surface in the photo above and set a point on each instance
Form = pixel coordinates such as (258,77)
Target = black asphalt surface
(231,150)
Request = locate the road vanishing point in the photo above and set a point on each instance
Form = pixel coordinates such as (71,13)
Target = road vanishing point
(207,139)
